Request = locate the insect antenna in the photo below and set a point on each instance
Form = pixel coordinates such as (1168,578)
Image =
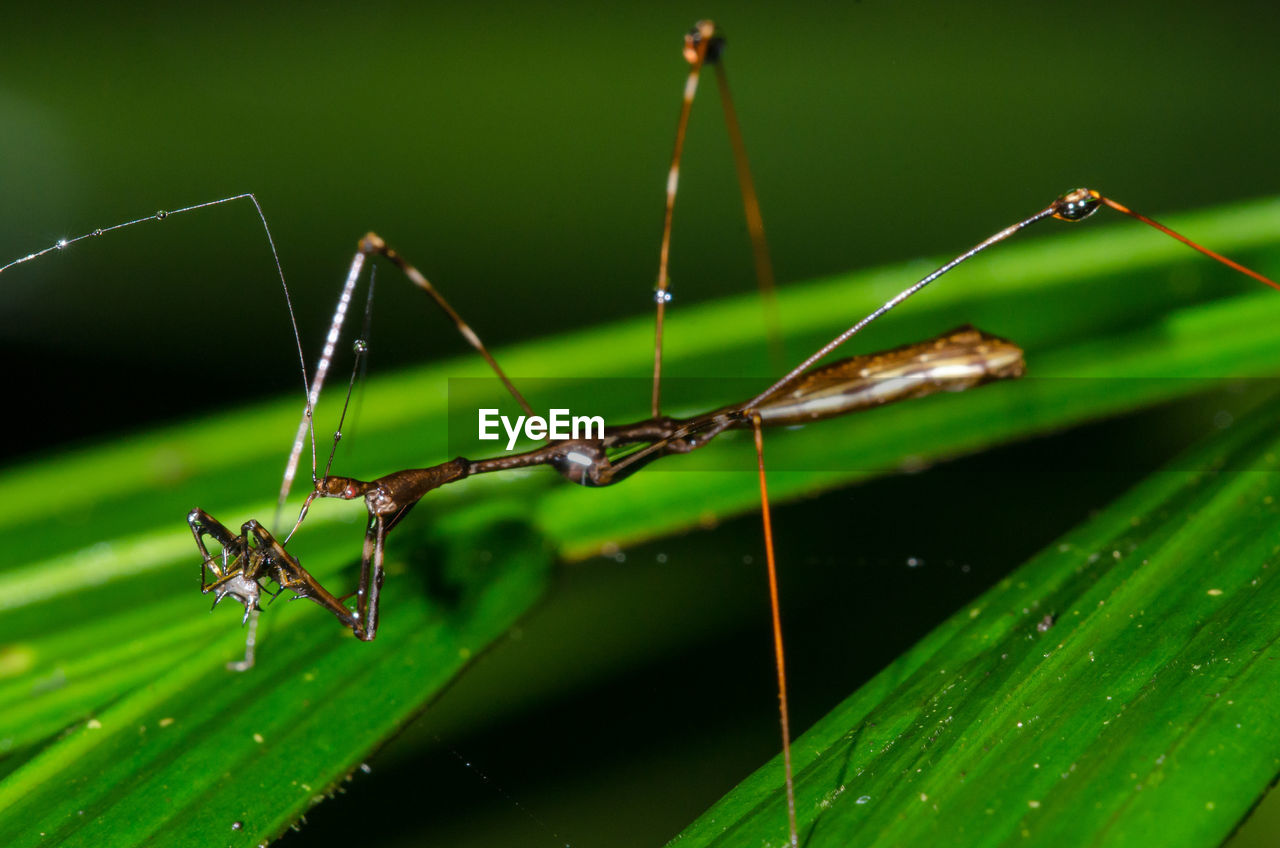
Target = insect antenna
(308,389)
(306,425)
(359,368)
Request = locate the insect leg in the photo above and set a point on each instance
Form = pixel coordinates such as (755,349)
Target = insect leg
(370,587)
(783,716)
(696,46)
(703,45)
(203,524)
(373,244)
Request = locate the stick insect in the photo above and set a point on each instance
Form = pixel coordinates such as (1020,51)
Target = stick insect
(253,554)
(806,393)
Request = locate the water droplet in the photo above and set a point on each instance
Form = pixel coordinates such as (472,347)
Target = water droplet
(237,825)
(862,799)
(914,562)
(360,346)
(337,435)
(161,215)
(661,296)
(61,243)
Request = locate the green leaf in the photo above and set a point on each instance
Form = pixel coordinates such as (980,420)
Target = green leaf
(1121,684)
(113,692)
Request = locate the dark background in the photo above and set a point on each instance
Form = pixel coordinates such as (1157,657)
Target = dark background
(517,154)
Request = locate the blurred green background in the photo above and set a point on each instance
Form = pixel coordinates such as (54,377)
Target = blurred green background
(517,153)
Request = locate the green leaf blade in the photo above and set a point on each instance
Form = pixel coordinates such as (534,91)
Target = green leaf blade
(99,567)
(1146,707)
(262,747)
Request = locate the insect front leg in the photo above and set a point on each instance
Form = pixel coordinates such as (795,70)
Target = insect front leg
(203,524)
(388,499)
(237,577)
(271,560)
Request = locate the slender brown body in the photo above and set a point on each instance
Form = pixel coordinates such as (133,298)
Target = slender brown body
(955,361)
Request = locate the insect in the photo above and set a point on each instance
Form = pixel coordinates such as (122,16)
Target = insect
(957,360)
(805,394)
(800,395)
(278,562)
